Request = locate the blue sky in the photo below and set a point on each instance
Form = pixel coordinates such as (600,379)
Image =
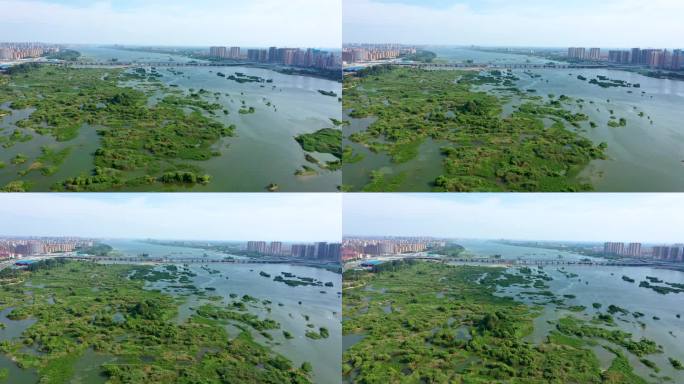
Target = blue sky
(284,217)
(605,23)
(174,22)
(579,217)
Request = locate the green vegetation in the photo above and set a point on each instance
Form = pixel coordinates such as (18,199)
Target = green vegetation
(485,150)
(327,93)
(184,177)
(65,54)
(295,281)
(605,82)
(20,158)
(349,157)
(422,56)
(101,309)
(242,78)
(451,250)
(627,279)
(327,140)
(140,143)
(96,250)
(306,171)
(433,322)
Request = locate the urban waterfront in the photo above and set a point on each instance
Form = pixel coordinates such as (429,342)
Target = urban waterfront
(261,152)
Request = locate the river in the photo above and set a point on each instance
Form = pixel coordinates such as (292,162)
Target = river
(263,150)
(603,285)
(646,155)
(322,305)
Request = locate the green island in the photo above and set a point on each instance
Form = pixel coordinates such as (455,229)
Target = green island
(326,140)
(537,147)
(327,93)
(83,310)
(140,142)
(411,322)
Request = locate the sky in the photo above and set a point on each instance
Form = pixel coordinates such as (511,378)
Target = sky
(192,216)
(249,23)
(599,217)
(529,23)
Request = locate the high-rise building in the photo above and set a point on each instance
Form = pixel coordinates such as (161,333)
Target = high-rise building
(673,253)
(652,57)
(634,249)
(678,59)
(6,54)
(611,248)
(335,251)
(273,54)
(218,52)
(321,251)
(310,251)
(595,54)
(666,60)
(253,54)
(619,57)
(636,56)
(276,248)
(577,53)
(257,247)
(234,52)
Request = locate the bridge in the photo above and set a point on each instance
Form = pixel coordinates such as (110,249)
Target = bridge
(498,66)
(538,262)
(173,260)
(145,64)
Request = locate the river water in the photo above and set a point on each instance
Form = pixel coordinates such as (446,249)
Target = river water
(262,152)
(647,155)
(603,285)
(321,304)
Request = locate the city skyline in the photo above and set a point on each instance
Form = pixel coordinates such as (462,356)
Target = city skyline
(645,218)
(174,22)
(200,217)
(500,23)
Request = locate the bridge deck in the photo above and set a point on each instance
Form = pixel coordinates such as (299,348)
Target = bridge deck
(540,262)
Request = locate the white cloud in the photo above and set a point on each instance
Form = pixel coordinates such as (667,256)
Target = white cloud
(580,217)
(609,23)
(303,23)
(286,217)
